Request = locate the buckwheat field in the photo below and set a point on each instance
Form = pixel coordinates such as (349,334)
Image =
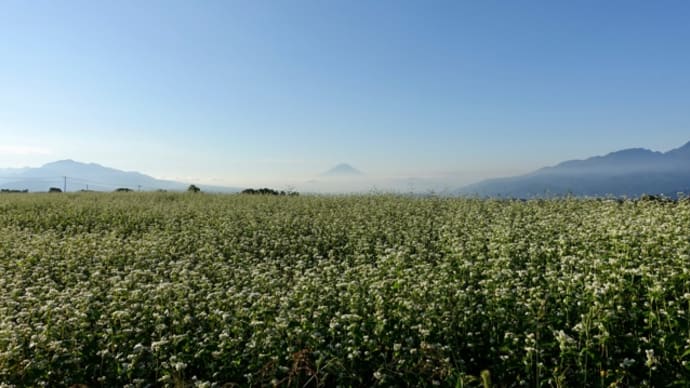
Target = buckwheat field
(163,289)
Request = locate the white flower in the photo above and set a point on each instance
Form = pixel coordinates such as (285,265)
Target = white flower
(179,366)
(651,359)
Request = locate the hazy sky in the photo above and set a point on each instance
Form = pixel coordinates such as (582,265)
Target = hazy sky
(255,91)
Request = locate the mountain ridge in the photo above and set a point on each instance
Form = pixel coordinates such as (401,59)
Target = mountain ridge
(626,172)
(90,176)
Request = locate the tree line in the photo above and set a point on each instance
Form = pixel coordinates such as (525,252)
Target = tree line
(267,191)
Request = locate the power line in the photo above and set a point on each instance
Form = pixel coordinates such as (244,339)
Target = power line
(89,181)
(63,180)
(115,185)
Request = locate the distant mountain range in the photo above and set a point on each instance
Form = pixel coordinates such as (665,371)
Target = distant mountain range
(631,172)
(82,176)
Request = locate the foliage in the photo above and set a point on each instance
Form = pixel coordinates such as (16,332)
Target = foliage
(179,290)
(267,191)
(193,189)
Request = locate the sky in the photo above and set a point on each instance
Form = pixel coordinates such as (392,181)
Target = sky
(261,92)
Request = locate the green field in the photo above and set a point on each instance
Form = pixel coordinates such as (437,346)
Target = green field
(223,290)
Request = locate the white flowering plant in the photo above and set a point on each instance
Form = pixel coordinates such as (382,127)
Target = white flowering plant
(165,289)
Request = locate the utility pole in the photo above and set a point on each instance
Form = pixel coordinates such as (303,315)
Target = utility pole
(64,184)
(138,187)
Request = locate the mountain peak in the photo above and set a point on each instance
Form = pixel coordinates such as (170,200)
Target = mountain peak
(61,162)
(632,154)
(70,165)
(343,169)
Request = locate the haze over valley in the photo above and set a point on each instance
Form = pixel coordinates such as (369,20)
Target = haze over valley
(630,172)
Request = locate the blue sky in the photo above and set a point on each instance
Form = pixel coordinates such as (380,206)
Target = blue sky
(244,92)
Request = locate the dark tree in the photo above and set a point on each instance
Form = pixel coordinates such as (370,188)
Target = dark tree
(193,189)
(55,190)
(267,191)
